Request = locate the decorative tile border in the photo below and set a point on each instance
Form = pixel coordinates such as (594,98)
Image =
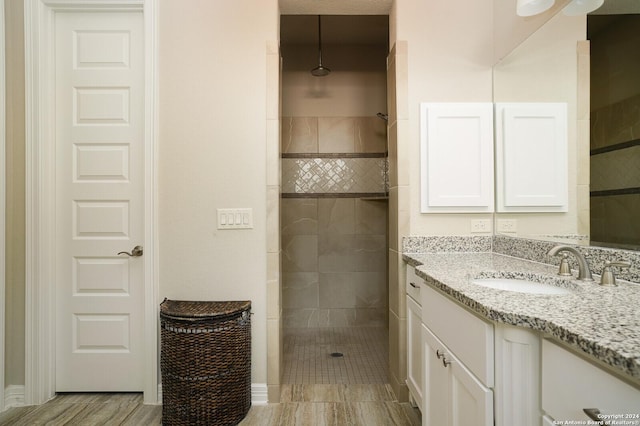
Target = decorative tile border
(335,155)
(334,175)
(363,195)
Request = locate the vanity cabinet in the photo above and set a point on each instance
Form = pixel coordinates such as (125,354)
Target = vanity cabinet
(571,384)
(414,337)
(467,370)
(458,369)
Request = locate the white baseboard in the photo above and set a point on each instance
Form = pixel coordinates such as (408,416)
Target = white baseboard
(258,394)
(13,396)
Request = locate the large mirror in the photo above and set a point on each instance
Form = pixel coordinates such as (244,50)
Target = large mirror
(597,79)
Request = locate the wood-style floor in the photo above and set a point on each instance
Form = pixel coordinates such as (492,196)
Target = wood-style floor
(366,405)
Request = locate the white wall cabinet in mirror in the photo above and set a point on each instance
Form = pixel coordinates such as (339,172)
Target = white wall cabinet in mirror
(531,157)
(456,158)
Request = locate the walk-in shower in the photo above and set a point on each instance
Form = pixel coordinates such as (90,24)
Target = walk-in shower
(334,209)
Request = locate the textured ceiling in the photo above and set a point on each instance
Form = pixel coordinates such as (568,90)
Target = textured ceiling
(335,7)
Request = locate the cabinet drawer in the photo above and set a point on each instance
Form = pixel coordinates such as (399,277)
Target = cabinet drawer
(413,284)
(466,335)
(570,384)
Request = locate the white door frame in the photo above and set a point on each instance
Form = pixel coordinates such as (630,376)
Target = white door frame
(40,330)
(3,195)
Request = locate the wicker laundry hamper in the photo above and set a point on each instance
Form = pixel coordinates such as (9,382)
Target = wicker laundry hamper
(205,361)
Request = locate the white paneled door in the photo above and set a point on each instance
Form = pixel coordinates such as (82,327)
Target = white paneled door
(99,136)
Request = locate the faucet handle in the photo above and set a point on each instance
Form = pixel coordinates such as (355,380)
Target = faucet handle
(564,269)
(608,278)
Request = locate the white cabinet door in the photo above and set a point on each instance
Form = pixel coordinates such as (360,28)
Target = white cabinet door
(456,157)
(453,396)
(531,157)
(414,351)
(436,382)
(471,403)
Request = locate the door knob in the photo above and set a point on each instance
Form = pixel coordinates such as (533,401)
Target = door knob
(136,252)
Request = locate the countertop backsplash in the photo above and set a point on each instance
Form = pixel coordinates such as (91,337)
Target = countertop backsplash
(525,248)
(447,244)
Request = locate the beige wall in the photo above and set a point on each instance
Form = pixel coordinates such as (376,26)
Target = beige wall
(15,190)
(450,55)
(212,150)
(544,68)
(441,52)
(398,213)
(510,30)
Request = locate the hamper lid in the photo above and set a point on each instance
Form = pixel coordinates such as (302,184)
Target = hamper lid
(194,310)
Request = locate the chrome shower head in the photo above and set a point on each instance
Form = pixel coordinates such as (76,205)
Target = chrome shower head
(320,71)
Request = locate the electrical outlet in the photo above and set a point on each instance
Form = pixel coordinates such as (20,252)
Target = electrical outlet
(480,225)
(507,225)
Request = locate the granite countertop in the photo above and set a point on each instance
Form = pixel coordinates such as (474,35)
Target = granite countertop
(603,322)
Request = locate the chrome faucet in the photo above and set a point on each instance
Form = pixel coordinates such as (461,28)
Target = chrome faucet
(584,273)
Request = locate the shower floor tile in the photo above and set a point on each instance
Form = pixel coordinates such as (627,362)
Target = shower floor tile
(308,355)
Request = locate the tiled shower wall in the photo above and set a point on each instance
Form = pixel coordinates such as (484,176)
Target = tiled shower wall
(615,133)
(615,173)
(334,249)
(310,135)
(334,156)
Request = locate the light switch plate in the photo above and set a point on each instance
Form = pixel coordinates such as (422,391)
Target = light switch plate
(235,218)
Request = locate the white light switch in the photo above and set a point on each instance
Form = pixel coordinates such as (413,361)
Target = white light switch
(235,218)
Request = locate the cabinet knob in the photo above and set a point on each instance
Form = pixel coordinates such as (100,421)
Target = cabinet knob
(413,285)
(445,361)
(439,354)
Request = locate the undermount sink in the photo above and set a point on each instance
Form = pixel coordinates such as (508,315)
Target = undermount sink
(520,286)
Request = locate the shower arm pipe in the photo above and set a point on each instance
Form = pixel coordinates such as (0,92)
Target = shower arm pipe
(319,42)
